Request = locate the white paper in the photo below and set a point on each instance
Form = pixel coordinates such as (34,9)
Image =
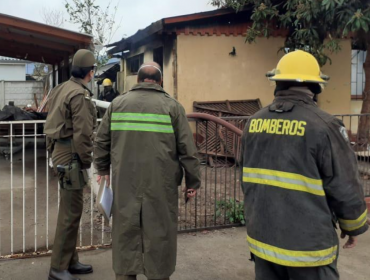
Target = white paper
(106,201)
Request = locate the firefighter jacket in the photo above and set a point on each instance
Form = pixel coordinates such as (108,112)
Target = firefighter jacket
(108,96)
(299,178)
(146,137)
(72,115)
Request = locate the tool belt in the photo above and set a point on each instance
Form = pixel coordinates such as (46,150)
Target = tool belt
(71,176)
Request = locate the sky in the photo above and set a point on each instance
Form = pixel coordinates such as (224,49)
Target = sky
(135,14)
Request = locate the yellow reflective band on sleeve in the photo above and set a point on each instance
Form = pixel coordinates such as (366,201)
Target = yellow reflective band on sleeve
(285,180)
(292,258)
(351,225)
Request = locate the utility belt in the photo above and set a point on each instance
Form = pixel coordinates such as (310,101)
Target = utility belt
(71,176)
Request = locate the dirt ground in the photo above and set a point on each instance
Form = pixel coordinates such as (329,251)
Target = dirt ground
(217,255)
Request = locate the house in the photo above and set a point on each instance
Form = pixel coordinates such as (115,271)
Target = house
(12,69)
(205,58)
(23,40)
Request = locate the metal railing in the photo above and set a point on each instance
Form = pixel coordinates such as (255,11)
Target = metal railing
(29,192)
(351,121)
(219,201)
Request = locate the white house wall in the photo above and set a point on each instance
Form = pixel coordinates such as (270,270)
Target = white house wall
(12,72)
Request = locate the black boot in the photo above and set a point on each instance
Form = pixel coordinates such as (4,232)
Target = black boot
(79,268)
(60,275)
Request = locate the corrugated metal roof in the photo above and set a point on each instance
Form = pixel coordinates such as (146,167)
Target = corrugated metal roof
(5,59)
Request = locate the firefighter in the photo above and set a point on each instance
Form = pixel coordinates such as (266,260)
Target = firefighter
(108,95)
(146,137)
(69,129)
(300,179)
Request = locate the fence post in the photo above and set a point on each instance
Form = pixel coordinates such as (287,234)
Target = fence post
(2,94)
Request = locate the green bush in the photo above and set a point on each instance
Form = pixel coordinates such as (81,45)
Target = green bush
(232,209)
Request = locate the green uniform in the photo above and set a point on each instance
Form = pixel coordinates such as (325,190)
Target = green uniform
(146,137)
(300,177)
(69,129)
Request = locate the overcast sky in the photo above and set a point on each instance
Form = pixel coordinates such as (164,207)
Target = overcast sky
(135,14)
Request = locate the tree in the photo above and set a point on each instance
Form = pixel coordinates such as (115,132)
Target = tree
(52,17)
(315,26)
(95,21)
(55,18)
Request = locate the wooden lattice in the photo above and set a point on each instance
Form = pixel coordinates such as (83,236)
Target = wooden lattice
(219,145)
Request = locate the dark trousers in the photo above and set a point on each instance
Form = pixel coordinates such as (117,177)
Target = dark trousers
(70,211)
(133,277)
(266,270)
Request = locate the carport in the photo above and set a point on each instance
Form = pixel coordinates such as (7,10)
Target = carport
(33,41)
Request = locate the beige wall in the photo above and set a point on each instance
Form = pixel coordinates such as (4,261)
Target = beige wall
(169,62)
(147,50)
(356,107)
(336,97)
(206,72)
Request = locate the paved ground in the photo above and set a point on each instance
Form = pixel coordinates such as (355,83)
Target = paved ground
(219,255)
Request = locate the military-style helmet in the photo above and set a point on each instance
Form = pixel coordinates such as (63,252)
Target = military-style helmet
(298,66)
(83,59)
(107,83)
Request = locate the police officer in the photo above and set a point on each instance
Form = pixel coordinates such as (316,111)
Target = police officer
(300,179)
(69,129)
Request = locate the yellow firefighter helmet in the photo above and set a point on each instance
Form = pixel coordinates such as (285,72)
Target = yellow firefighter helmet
(107,83)
(298,66)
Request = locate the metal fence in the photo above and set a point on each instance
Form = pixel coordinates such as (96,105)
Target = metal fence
(219,202)
(351,121)
(29,195)
(29,191)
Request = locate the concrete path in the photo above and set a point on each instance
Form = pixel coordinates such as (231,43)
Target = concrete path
(218,255)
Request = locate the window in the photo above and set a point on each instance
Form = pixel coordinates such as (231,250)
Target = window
(357,74)
(134,63)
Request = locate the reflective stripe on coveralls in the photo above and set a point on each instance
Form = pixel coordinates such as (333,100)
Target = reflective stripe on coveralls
(142,122)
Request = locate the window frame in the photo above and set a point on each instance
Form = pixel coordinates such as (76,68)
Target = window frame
(139,59)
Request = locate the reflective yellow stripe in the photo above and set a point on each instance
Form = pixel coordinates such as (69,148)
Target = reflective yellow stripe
(142,127)
(292,258)
(283,175)
(141,117)
(283,180)
(351,225)
(283,185)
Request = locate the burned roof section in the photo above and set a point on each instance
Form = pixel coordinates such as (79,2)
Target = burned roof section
(218,22)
